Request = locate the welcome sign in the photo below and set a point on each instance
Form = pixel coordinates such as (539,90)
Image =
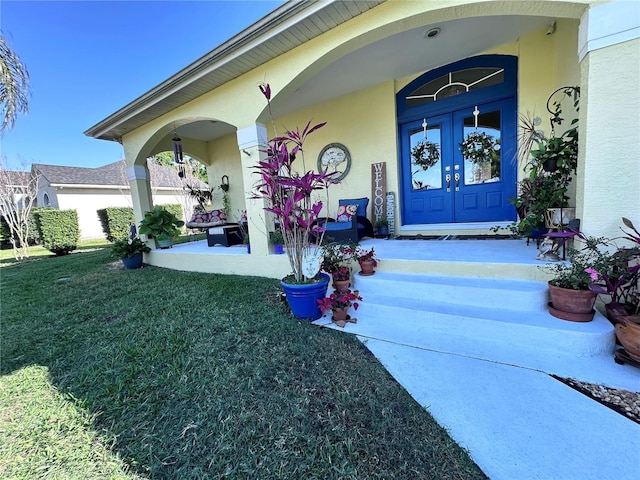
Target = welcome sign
(379,190)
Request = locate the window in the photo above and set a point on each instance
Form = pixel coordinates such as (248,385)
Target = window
(455,83)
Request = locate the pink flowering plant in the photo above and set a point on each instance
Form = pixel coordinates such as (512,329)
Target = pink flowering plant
(364,255)
(618,275)
(287,191)
(341,273)
(340,300)
(337,259)
(576,273)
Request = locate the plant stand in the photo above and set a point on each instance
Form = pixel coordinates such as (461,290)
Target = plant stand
(621,357)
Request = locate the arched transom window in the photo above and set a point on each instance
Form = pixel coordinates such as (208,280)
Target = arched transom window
(455,83)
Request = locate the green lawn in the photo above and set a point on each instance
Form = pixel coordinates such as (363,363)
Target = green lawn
(151,373)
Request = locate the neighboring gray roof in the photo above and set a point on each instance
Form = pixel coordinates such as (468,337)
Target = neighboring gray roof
(287,27)
(113,174)
(16,178)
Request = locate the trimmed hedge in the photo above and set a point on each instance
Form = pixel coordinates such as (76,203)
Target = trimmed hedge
(35,231)
(5,231)
(116,222)
(174,208)
(60,231)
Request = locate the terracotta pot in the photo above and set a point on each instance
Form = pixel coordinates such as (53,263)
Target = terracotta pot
(577,303)
(618,314)
(340,314)
(629,336)
(341,286)
(366,267)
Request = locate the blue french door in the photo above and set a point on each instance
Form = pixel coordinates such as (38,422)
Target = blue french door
(458,187)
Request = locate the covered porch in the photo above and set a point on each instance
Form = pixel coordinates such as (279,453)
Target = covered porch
(338,62)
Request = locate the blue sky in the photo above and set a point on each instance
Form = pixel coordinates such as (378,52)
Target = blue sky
(87,59)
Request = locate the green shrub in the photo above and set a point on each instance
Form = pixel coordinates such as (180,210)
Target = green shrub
(174,208)
(35,231)
(5,232)
(116,222)
(60,231)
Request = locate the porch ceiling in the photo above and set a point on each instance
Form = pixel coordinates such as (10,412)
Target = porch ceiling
(294,23)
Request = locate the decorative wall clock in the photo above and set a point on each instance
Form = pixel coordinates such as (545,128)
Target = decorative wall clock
(336,158)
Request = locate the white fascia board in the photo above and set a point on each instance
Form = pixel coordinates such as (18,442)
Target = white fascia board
(84,185)
(608,24)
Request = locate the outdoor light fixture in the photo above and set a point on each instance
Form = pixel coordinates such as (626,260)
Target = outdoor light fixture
(224,186)
(432,33)
(177,149)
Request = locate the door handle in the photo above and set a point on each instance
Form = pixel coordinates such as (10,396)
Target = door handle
(457,178)
(447,177)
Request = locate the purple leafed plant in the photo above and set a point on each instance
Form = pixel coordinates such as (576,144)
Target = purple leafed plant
(287,191)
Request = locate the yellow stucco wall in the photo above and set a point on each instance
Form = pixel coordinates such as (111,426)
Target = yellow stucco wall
(224,159)
(609,186)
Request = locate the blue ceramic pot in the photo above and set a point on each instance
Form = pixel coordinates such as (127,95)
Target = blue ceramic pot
(303,299)
(278,249)
(133,262)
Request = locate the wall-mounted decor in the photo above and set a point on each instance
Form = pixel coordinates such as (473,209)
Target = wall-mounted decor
(379,190)
(336,158)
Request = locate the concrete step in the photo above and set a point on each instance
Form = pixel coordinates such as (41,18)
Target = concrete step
(491,319)
(455,290)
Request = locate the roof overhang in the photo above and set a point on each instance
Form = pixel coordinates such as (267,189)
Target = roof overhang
(287,27)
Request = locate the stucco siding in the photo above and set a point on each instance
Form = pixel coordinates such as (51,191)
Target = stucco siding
(610,140)
(225,160)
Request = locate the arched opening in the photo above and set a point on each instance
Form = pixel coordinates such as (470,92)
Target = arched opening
(457,135)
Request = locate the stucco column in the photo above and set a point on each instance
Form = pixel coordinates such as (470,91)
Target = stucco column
(249,141)
(608,169)
(138,177)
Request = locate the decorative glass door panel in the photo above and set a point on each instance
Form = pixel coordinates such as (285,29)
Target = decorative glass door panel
(481,148)
(424,171)
(426,164)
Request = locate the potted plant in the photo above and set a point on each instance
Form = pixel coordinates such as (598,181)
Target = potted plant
(618,280)
(367,261)
(287,187)
(336,261)
(339,304)
(550,161)
(382,225)
(277,240)
(130,251)
(162,225)
(569,289)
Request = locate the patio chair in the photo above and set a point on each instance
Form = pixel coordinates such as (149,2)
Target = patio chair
(351,222)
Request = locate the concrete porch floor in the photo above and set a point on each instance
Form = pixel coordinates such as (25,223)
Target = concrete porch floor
(478,258)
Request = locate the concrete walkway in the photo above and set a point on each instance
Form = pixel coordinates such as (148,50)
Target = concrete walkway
(516,423)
